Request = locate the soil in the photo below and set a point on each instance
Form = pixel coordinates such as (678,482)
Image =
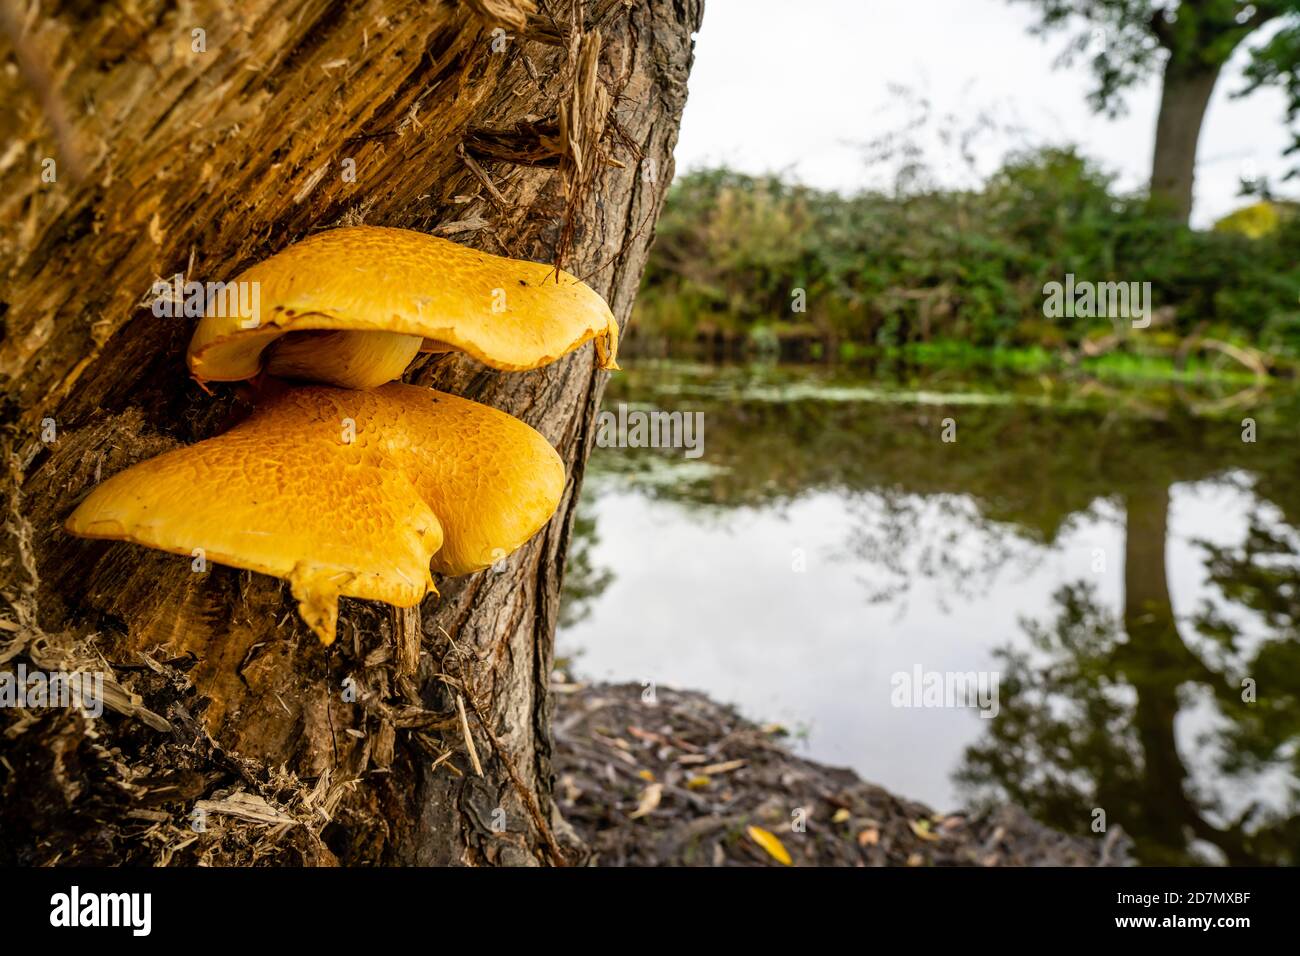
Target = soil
(681,780)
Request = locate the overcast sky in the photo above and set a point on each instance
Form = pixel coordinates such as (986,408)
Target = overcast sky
(799,86)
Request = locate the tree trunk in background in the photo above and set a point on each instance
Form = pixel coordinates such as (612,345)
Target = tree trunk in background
(1184,97)
(202,162)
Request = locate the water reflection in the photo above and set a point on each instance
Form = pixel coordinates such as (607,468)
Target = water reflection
(1124,563)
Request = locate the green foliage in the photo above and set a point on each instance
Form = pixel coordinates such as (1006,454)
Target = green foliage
(1253,222)
(1277,63)
(1126,41)
(734,250)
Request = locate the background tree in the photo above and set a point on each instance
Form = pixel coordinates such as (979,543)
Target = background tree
(1187,42)
(199,139)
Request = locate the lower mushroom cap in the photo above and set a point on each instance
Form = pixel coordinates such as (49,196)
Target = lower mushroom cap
(492,480)
(342,492)
(510,314)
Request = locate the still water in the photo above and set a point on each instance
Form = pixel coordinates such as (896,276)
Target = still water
(1119,565)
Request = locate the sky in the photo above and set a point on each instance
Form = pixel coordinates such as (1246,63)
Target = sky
(803,87)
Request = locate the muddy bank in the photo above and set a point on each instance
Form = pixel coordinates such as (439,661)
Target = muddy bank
(686,781)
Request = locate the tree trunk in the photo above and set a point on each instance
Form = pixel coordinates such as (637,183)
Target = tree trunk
(177,151)
(1184,97)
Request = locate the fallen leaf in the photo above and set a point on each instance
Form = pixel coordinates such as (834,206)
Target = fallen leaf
(869,837)
(841,815)
(647,775)
(770,843)
(650,798)
(649,736)
(714,769)
(697,783)
(922,829)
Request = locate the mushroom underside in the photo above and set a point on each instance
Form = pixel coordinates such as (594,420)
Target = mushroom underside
(340,357)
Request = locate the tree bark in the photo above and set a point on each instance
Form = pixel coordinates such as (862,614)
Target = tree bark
(1184,98)
(174,159)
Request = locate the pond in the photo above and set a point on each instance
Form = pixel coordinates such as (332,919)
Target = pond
(1078,597)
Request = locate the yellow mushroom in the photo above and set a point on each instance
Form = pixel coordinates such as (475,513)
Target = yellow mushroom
(342,492)
(353,306)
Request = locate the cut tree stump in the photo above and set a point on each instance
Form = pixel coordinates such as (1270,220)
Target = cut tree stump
(198,139)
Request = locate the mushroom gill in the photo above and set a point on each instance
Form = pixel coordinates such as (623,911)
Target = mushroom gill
(388,293)
(349,359)
(342,493)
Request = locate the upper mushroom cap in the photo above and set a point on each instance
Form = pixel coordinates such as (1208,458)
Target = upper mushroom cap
(509,314)
(342,492)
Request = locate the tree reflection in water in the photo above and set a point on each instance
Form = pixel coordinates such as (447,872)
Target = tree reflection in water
(1096,704)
